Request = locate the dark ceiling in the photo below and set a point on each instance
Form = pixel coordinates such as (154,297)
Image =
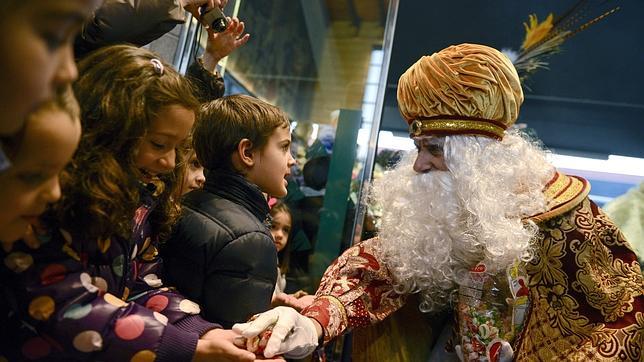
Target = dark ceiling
(591,100)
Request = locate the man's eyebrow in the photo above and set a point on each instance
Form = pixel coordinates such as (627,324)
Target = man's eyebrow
(434,141)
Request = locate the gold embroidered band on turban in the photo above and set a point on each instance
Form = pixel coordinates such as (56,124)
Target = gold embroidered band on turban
(463,89)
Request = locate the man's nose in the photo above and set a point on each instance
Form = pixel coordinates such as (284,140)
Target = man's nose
(422,164)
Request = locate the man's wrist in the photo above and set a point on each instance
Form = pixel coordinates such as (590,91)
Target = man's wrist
(209,63)
(318,330)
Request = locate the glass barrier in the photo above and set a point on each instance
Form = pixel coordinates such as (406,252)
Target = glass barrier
(325,64)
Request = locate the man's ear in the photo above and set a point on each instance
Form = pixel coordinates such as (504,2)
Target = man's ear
(245,153)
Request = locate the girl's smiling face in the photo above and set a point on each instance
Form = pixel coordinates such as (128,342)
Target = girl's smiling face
(157,150)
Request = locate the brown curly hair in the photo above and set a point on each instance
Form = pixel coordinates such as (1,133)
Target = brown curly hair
(120,92)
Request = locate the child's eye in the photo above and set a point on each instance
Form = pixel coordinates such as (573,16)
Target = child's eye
(157,145)
(32,178)
(195,164)
(54,41)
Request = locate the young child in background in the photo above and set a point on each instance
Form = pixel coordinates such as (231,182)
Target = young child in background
(281,225)
(222,253)
(39,153)
(193,176)
(92,290)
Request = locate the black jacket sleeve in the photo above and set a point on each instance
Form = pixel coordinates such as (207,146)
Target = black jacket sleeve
(231,274)
(241,280)
(137,22)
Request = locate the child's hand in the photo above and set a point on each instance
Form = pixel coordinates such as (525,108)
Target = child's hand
(305,301)
(290,300)
(217,345)
(280,299)
(299,294)
(225,345)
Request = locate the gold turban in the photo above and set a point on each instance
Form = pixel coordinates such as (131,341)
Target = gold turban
(463,89)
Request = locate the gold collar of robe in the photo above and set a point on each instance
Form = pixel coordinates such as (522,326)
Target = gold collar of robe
(563,193)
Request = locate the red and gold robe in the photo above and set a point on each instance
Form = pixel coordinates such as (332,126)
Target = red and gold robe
(585,286)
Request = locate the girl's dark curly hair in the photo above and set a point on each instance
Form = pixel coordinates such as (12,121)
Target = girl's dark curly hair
(120,92)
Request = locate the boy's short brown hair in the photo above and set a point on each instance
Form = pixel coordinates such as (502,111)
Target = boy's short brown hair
(224,122)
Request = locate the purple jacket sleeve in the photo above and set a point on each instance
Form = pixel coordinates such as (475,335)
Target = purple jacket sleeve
(73,317)
(148,290)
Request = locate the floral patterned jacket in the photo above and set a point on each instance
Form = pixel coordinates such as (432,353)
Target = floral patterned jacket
(80,300)
(585,286)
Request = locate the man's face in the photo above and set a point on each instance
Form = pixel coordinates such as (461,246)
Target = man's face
(430,154)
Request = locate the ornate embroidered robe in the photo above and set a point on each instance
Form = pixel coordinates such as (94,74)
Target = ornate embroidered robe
(585,286)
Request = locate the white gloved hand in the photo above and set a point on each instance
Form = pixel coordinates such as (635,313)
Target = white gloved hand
(294,335)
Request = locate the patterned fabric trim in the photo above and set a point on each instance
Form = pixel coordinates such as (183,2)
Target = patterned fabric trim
(586,292)
(331,315)
(456,125)
(563,193)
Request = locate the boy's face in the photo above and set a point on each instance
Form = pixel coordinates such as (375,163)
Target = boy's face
(36,54)
(273,163)
(157,150)
(49,141)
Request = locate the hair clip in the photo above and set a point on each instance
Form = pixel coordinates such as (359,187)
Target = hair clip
(158,66)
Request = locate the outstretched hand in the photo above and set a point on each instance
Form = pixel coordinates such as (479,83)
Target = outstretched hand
(220,45)
(218,345)
(292,300)
(293,334)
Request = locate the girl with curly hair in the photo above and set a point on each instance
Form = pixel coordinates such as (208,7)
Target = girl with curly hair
(92,289)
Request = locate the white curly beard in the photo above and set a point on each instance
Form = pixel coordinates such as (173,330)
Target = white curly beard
(436,226)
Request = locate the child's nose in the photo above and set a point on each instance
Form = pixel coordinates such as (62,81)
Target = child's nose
(66,71)
(201,179)
(168,161)
(52,192)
